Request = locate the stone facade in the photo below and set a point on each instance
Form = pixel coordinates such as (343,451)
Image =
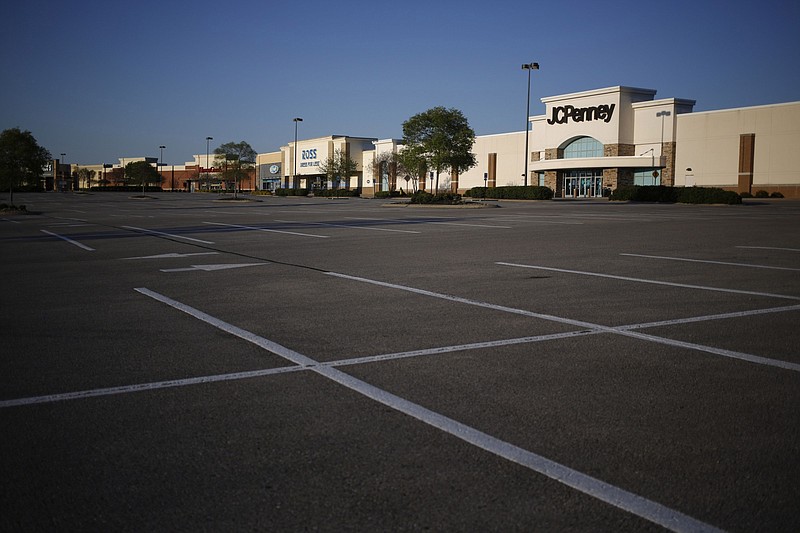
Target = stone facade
(614,150)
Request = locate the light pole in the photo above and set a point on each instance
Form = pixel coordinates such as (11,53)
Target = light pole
(61,168)
(161,147)
(529,67)
(662,114)
(208,178)
(294,168)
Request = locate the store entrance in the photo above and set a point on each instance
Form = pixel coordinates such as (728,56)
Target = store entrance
(583,183)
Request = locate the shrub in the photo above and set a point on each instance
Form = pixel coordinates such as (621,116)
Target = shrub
(745,195)
(511,193)
(776,194)
(447,198)
(648,193)
(762,194)
(126,188)
(707,195)
(291,192)
(685,195)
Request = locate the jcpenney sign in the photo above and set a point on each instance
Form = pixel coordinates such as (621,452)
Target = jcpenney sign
(562,114)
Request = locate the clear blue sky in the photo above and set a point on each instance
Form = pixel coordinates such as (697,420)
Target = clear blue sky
(100,80)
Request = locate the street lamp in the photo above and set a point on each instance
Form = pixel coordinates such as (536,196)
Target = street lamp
(529,67)
(662,114)
(161,147)
(61,168)
(208,178)
(294,169)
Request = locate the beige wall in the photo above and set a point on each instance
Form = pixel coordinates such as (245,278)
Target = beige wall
(509,148)
(708,143)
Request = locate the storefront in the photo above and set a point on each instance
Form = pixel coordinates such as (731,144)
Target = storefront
(306,166)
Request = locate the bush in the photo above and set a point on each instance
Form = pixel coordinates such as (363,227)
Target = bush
(291,192)
(126,188)
(684,195)
(511,193)
(447,198)
(649,193)
(745,195)
(707,195)
(776,194)
(762,194)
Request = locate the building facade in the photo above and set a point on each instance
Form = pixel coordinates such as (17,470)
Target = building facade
(585,145)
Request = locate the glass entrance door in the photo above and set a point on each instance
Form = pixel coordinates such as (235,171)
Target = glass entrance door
(583,183)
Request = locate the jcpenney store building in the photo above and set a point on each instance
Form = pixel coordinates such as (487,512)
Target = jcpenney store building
(590,142)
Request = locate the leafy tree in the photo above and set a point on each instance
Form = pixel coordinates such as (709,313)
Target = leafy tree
(21,159)
(142,173)
(235,160)
(411,163)
(87,175)
(443,137)
(337,167)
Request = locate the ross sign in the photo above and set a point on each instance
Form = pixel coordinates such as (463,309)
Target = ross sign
(562,114)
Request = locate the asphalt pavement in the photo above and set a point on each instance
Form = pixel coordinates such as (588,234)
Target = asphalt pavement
(188,362)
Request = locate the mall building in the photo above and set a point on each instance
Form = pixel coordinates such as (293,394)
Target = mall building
(585,145)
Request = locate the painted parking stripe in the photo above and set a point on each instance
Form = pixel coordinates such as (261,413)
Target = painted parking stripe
(254,228)
(770,248)
(469,225)
(67,239)
(328,224)
(161,233)
(212,268)
(170,255)
(583,324)
(650,281)
(365,359)
(605,492)
(719,316)
(141,387)
(727,263)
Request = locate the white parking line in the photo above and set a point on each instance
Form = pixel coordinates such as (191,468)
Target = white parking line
(267,230)
(605,492)
(651,281)
(67,239)
(173,255)
(627,332)
(727,263)
(327,224)
(771,248)
(469,225)
(154,232)
(141,387)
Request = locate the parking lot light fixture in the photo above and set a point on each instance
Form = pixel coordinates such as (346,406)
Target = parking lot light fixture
(294,169)
(528,67)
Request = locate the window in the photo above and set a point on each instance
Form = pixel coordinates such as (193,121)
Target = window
(583,147)
(644,176)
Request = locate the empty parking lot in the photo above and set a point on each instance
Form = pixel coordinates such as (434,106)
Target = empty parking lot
(338,364)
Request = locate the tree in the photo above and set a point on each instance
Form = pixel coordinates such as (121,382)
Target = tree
(411,163)
(21,159)
(337,167)
(443,137)
(142,173)
(235,160)
(87,175)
